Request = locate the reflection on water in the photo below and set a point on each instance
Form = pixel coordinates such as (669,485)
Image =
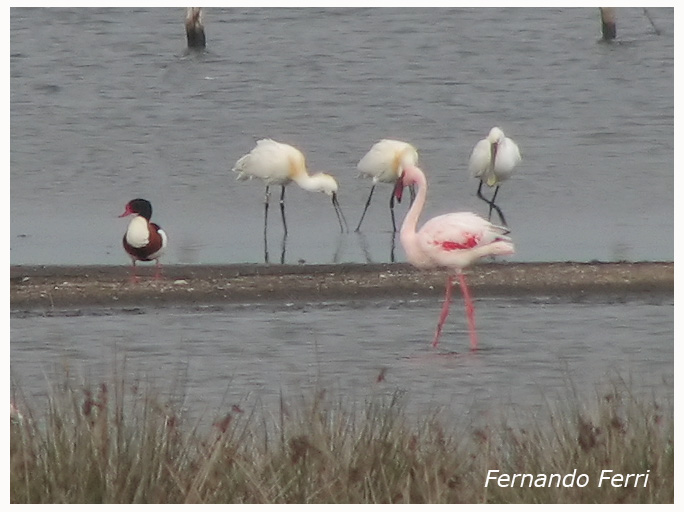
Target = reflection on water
(531,351)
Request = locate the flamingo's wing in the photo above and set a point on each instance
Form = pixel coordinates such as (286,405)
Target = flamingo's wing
(453,231)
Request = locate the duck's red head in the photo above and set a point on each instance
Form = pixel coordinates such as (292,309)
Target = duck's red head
(140,207)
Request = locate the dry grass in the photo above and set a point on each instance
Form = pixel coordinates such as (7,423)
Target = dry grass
(119,444)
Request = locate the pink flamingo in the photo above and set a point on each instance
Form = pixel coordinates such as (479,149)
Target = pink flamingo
(452,241)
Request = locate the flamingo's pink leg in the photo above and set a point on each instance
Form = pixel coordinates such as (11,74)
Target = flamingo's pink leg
(470,311)
(445,310)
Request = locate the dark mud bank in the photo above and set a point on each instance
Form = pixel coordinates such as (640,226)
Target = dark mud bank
(41,287)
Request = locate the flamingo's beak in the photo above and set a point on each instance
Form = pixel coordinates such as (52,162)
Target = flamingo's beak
(399,188)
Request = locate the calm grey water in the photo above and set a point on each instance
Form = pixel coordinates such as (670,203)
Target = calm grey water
(107,106)
(533,352)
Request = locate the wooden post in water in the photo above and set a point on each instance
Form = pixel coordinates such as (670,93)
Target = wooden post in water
(194,28)
(608,27)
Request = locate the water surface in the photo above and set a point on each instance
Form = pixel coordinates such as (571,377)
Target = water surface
(531,352)
(106,106)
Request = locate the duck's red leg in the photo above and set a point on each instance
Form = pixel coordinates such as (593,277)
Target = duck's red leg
(158,272)
(134,273)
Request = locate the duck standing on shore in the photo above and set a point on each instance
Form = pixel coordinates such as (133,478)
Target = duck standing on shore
(144,240)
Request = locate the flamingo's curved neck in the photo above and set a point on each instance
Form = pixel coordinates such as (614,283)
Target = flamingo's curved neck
(408,229)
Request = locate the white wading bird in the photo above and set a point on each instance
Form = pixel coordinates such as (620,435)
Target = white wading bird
(279,164)
(492,161)
(384,163)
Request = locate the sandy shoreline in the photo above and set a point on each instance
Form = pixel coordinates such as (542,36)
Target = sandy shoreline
(46,287)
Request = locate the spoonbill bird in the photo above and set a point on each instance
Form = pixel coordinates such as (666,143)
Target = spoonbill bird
(452,241)
(385,162)
(279,164)
(144,240)
(492,161)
